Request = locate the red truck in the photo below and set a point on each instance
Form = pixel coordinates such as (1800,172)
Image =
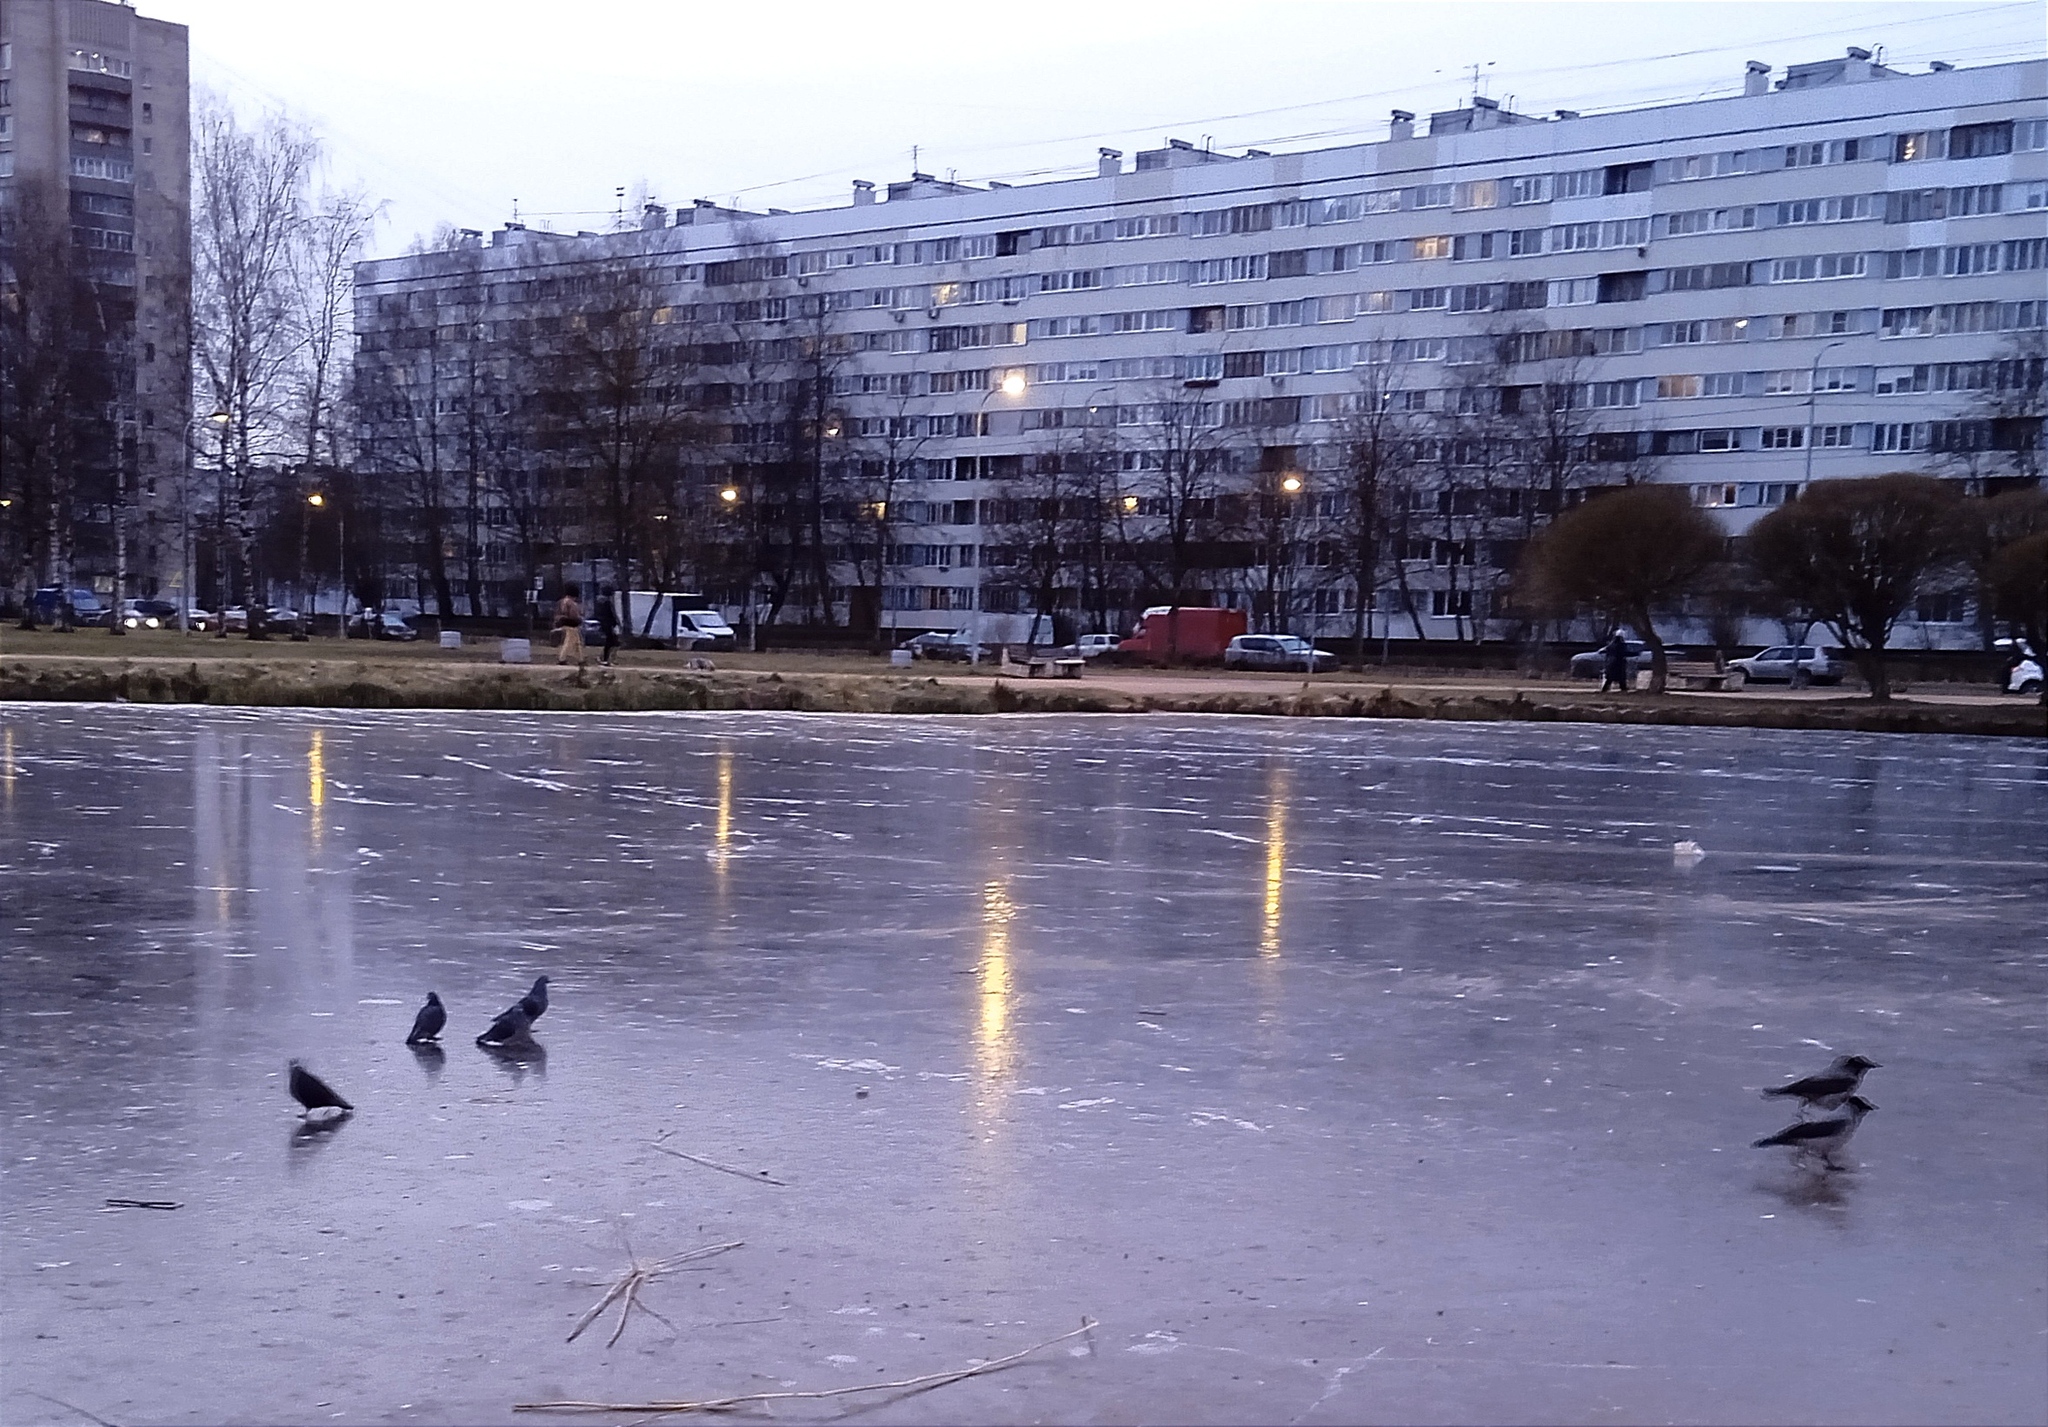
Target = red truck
(1184,632)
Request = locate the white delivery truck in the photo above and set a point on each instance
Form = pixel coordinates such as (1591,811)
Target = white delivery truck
(680,621)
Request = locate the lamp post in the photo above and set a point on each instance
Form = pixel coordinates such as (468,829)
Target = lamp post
(1013,385)
(318,501)
(1813,390)
(220,418)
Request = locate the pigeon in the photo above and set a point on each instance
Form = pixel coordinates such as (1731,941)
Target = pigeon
(535,1002)
(1821,1137)
(1829,1089)
(513,1024)
(313,1092)
(426,1026)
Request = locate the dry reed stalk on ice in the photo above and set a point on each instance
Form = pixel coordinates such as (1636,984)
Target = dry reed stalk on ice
(721,1404)
(637,1277)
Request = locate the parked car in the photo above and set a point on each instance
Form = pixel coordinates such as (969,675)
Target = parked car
(1275,651)
(1088,646)
(2025,677)
(955,646)
(381,624)
(1794,664)
(1593,663)
(148,614)
(86,609)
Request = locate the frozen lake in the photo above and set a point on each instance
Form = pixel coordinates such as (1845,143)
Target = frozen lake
(1343,1071)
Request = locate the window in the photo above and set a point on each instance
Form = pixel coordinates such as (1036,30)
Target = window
(1819,268)
(1251,218)
(1673,387)
(1525,242)
(1205,319)
(1450,603)
(1430,195)
(1784,438)
(1626,178)
(1246,267)
(1480,193)
(1892,437)
(1532,188)
(1146,274)
(1623,287)
(1834,438)
(1582,183)
(1574,237)
(1009,245)
(1608,395)
(1244,364)
(1717,439)
(1826,210)
(1467,246)
(1912,148)
(1427,298)
(1338,309)
(2030,135)
(1574,292)
(1423,248)
(1289,264)
(1150,225)
(1976,141)
(1716,495)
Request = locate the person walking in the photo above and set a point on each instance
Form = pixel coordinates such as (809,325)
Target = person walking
(607,623)
(1614,670)
(569,625)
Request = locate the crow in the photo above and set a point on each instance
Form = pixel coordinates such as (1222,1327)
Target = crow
(426,1026)
(1821,1137)
(1829,1089)
(535,1002)
(513,1024)
(313,1092)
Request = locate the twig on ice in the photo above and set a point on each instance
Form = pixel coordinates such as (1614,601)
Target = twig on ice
(762,1177)
(633,1280)
(720,1404)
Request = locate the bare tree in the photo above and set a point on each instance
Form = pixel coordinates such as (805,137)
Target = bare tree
(1856,554)
(1174,457)
(56,389)
(1629,555)
(1372,466)
(248,214)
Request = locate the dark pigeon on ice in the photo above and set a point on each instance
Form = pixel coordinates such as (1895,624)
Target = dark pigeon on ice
(535,1002)
(1821,1138)
(426,1026)
(513,1024)
(313,1092)
(1829,1089)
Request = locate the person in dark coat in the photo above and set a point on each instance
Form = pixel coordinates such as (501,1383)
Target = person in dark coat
(607,622)
(1614,671)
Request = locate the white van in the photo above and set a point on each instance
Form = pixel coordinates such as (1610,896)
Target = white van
(684,621)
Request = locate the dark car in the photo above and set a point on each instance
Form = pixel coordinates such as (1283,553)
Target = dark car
(86,608)
(148,614)
(381,624)
(1593,663)
(955,645)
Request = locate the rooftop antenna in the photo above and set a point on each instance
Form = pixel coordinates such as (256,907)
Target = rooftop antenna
(1478,77)
(913,158)
(515,210)
(619,215)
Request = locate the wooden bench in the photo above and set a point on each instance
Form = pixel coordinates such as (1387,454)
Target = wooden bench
(1032,667)
(1697,676)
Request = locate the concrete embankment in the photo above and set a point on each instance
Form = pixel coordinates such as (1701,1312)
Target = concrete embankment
(338,683)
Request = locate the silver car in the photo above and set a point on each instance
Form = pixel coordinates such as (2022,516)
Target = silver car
(1275,651)
(1794,664)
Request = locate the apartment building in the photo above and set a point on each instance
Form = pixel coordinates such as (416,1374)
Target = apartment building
(1838,273)
(94,123)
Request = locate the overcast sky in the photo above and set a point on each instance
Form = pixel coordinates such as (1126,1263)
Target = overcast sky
(453,110)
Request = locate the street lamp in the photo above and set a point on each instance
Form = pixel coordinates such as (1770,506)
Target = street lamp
(318,501)
(1813,390)
(730,495)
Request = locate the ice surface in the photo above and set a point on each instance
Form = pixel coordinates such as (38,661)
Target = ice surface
(1344,1071)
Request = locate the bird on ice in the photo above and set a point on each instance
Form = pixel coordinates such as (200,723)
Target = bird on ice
(1829,1089)
(535,1002)
(512,1024)
(313,1092)
(426,1026)
(1821,1138)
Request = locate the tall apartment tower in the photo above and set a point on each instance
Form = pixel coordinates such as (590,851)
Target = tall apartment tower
(95,104)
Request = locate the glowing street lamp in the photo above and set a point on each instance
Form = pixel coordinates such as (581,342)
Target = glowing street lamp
(1013,383)
(730,495)
(1291,483)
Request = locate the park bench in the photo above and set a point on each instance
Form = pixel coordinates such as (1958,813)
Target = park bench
(1697,676)
(1033,666)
